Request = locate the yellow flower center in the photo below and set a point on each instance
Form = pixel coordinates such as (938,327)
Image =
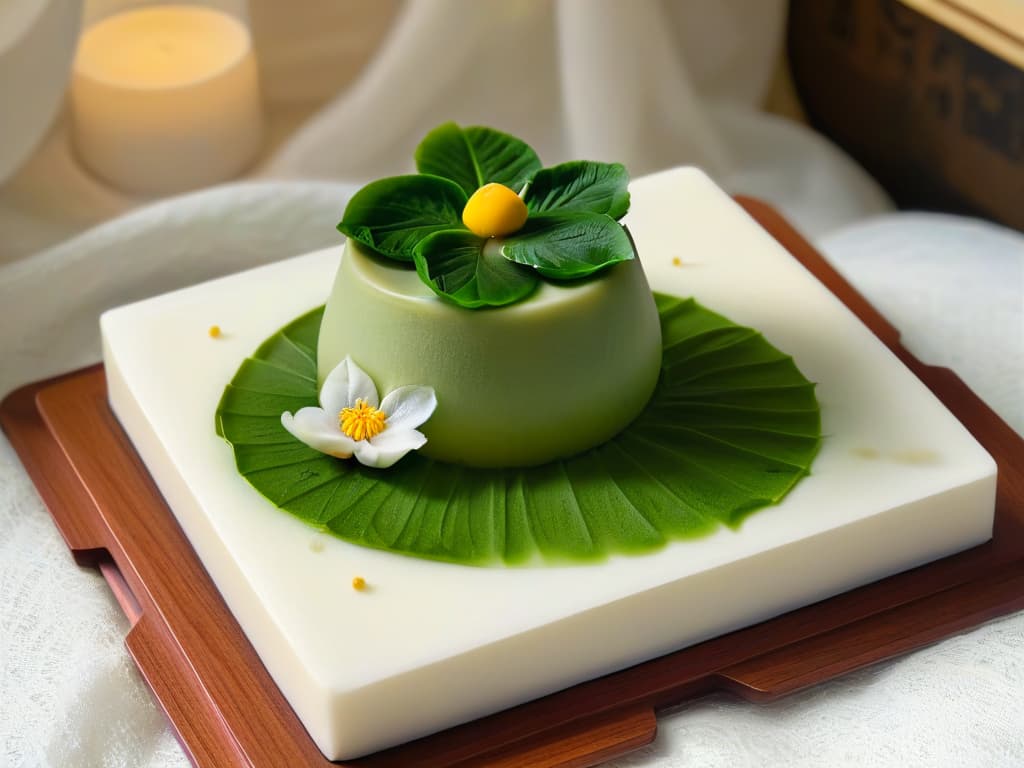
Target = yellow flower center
(362,421)
(494,210)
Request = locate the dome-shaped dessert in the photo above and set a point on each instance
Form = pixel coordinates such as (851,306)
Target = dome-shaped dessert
(548,377)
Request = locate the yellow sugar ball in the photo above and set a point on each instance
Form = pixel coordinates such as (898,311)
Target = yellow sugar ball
(494,210)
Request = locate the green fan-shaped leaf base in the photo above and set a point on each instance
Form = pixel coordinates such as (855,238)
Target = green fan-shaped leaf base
(732,426)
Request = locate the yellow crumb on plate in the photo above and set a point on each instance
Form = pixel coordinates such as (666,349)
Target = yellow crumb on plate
(214,331)
(866,453)
(676,261)
(358,583)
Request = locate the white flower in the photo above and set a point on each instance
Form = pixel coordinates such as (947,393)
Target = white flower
(351,420)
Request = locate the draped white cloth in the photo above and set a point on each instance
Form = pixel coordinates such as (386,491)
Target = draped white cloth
(649,83)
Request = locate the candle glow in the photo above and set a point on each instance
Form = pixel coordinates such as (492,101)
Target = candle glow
(166,98)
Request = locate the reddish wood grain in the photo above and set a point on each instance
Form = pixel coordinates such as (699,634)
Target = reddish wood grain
(34,445)
(228,712)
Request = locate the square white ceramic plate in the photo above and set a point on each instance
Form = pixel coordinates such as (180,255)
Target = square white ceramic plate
(898,482)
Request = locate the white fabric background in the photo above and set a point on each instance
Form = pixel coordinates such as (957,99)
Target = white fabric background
(651,83)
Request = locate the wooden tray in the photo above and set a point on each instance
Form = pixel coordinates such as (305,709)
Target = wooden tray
(228,712)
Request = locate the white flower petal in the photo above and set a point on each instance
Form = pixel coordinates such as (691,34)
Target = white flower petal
(405,408)
(399,439)
(346,384)
(408,407)
(388,447)
(367,455)
(319,429)
(334,392)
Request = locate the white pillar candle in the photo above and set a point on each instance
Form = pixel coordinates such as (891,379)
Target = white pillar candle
(166,98)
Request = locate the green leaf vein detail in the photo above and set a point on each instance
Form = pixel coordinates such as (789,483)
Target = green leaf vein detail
(731,428)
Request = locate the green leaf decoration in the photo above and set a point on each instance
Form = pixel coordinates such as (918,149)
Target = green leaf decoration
(472,157)
(564,246)
(391,216)
(732,426)
(471,271)
(566,236)
(580,186)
